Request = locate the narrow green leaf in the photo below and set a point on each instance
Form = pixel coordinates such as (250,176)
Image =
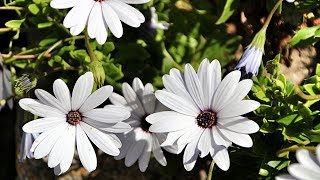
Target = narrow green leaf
(228,10)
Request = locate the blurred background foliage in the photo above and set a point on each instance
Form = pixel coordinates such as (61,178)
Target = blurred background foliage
(34,43)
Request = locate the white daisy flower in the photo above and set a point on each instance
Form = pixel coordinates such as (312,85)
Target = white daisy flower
(290,1)
(139,143)
(154,22)
(206,113)
(69,120)
(99,16)
(251,60)
(307,168)
(25,145)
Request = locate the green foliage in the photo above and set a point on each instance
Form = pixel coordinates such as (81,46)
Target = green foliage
(228,10)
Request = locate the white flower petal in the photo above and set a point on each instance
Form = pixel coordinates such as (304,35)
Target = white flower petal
(69,147)
(308,160)
(134,152)
(191,154)
(242,90)
(318,152)
(45,111)
(56,154)
(239,124)
(189,136)
(132,99)
(63,4)
(135,1)
(221,158)
(169,121)
(243,140)
(109,114)
(115,140)
(157,151)
(124,13)
(149,99)
(44,147)
(127,143)
(100,139)
(204,144)
(219,138)
(177,103)
(62,93)
(225,90)
(112,20)
(194,87)
(301,172)
(43,124)
(82,90)
(86,152)
(286,177)
(172,137)
(146,153)
(82,17)
(117,99)
(238,108)
(25,102)
(119,127)
(175,84)
(97,98)
(48,99)
(94,16)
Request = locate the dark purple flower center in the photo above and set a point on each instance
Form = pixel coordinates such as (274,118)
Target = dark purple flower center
(74,117)
(207,119)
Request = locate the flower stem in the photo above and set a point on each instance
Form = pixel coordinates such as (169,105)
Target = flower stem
(210,170)
(267,22)
(304,96)
(295,148)
(11,8)
(89,48)
(167,54)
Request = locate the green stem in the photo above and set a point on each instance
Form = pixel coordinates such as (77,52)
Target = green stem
(89,48)
(11,8)
(210,170)
(295,148)
(267,22)
(167,54)
(304,96)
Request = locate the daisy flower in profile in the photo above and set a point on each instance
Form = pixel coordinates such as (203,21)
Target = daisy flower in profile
(99,16)
(307,168)
(73,120)
(205,114)
(139,143)
(251,58)
(154,22)
(25,146)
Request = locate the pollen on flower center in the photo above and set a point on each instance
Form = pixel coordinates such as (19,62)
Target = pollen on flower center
(144,124)
(207,119)
(74,117)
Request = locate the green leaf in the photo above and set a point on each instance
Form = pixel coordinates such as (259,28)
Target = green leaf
(14,23)
(46,42)
(113,71)
(45,25)
(303,34)
(228,10)
(287,120)
(33,9)
(108,47)
(79,55)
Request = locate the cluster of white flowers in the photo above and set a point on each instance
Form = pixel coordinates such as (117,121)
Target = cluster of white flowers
(196,111)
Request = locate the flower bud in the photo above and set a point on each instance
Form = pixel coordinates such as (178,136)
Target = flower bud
(98,72)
